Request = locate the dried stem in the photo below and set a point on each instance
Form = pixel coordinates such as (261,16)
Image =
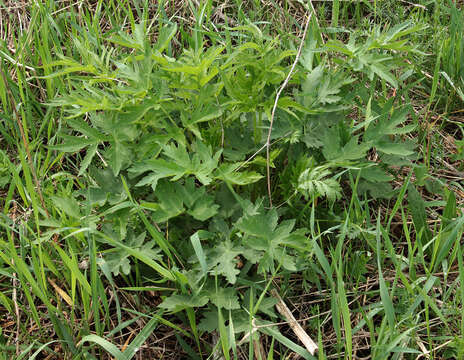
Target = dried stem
(283,309)
(268,141)
(15,285)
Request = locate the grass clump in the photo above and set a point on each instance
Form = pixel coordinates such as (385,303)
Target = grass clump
(142,216)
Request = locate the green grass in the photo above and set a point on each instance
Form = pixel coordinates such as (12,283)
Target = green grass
(137,216)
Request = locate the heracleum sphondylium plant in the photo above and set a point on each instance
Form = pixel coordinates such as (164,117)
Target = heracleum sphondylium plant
(165,146)
(177,135)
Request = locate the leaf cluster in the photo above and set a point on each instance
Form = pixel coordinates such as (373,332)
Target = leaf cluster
(171,147)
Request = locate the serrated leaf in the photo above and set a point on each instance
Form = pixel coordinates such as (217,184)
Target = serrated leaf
(405,129)
(179,302)
(118,264)
(108,183)
(204,208)
(203,114)
(118,259)
(72,143)
(398,117)
(68,205)
(259,225)
(229,173)
(353,150)
(334,150)
(169,200)
(96,196)
(269,239)
(222,260)
(177,154)
(160,169)
(321,88)
(317,182)
(86,129)
(209,322)
(201,165)
(118,155)
(165,36)
(375,174)
(267,306)
(225,298)
(327,94)
(391,148)
(204,163)
(382,190)
(91,151)
(383,72)
(191,193)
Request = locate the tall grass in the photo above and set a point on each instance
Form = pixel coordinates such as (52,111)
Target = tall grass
(133,186)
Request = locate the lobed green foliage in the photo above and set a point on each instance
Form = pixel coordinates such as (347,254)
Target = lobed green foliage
(152,167)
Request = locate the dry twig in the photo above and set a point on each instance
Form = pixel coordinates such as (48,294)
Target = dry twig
(283,309)
(268,141)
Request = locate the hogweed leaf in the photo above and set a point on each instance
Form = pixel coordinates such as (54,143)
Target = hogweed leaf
(223,260)
(318,181)
(179,302)
(225,298)
(229,173)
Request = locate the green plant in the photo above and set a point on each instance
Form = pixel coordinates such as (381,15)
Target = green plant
(146,131)
(5,172)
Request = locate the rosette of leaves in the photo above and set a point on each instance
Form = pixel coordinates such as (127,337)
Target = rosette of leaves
(259,240)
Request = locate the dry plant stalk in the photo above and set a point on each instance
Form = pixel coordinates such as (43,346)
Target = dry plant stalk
(260,353)
(283,309)
(217,354)
(287,79)
(15,285)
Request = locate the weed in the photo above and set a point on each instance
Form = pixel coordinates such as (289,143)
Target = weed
(136,185)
